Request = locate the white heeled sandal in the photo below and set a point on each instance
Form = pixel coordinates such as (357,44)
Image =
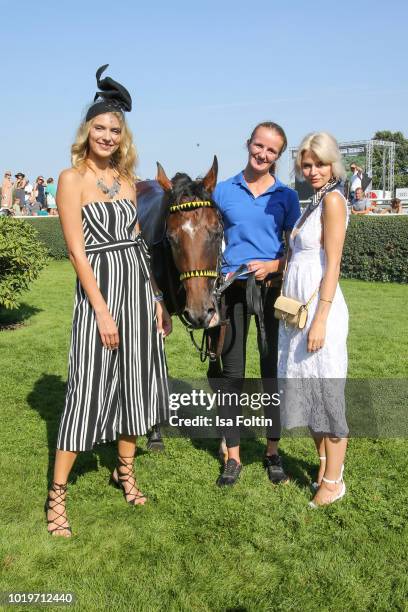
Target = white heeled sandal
(339,495)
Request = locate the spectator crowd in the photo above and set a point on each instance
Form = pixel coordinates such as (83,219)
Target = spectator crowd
(20,197)
(360,204)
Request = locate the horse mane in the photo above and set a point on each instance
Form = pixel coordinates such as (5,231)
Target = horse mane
(184,186)
(152,206)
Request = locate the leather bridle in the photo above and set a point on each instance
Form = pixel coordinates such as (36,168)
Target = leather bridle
(188,207)
(220,285)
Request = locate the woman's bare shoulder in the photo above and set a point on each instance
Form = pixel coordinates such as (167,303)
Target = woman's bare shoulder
(70,187)
(334,201)
(70,177)
(333,196)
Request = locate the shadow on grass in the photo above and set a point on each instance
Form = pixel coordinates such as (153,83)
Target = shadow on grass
(16,317)
(253,451)
(253,447)
(297,468)
(47,398)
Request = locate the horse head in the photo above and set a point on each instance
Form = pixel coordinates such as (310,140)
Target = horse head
(194,230)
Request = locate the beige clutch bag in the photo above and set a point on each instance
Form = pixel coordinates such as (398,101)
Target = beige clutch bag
(291,312)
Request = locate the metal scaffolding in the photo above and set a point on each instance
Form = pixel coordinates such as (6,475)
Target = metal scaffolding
(356,147)
(388,163)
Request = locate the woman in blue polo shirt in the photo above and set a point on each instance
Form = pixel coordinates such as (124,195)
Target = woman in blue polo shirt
(257,211)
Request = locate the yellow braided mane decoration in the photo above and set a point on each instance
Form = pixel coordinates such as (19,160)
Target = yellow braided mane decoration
(198,273)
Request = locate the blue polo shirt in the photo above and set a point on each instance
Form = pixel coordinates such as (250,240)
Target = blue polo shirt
(254,226)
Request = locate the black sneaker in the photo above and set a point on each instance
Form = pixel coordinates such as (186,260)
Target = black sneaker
(154,440)
(230,474)
(274,467)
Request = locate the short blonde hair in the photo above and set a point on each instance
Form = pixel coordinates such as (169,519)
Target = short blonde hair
(326,148)
(123,160)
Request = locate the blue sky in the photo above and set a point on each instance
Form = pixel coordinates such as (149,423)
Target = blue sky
(199,74)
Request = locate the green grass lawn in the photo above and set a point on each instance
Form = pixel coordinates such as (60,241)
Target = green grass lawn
(194,547)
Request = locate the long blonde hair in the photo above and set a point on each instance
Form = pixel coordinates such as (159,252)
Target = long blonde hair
(123,160)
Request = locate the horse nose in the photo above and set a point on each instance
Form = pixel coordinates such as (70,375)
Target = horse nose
(194,319)
(199,319)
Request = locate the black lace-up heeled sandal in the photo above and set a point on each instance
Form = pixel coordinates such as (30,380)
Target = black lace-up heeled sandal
(123,474)
(60,520)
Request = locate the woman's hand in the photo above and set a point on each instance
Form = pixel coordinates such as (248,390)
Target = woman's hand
(263,268)
(107,330)
(164,324)
(316,336)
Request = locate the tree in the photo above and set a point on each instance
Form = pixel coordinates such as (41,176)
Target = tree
(401,159)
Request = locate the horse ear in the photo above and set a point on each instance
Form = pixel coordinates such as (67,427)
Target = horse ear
(162,179)
(210,179)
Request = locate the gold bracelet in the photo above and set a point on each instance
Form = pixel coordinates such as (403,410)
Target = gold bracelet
(323,300)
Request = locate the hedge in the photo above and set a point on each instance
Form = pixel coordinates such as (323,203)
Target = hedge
(376,248)
(50,233)
(22,257)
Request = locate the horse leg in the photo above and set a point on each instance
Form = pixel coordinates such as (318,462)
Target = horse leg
(223,451)
(154,439)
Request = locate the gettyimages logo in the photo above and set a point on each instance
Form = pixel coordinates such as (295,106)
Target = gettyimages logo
(209,401)
(228,409)
(205,408)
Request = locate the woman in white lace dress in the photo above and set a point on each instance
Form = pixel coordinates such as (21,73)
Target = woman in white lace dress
(314,360)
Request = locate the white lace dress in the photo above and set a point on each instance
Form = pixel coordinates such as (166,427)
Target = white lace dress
(316,398)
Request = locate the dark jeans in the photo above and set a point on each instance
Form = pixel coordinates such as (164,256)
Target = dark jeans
(231,371)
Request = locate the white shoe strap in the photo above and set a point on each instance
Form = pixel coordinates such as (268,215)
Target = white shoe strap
(333,481)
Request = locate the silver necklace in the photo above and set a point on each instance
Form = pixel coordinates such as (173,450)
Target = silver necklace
(109,191)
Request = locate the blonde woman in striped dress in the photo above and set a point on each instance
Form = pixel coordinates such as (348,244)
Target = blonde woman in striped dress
(117,376)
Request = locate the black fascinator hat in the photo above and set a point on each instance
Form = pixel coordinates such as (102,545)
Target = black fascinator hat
(114,97)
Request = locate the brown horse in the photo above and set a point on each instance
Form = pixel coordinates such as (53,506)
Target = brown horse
(187,250)
(184,231)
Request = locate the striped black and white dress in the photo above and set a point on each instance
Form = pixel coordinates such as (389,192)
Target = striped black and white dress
(122,391)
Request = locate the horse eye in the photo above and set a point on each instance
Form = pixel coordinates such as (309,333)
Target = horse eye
(214,231)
